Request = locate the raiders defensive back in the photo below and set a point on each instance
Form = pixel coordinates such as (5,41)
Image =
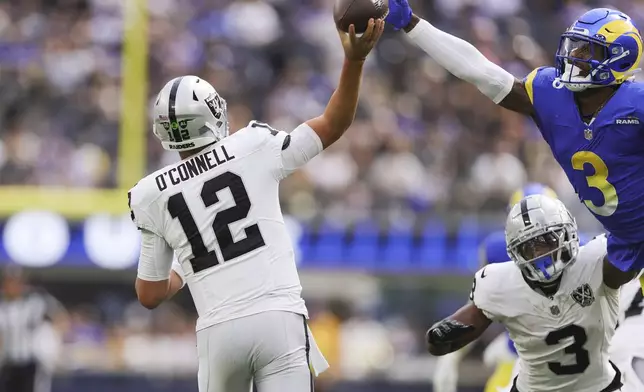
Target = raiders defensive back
(627,346)
(554,299)
(218,211)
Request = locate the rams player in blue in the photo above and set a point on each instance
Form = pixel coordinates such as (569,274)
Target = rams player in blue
(587,107)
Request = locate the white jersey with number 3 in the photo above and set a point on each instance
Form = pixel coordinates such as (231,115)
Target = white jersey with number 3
(627,346)
(562,341)
(219,211)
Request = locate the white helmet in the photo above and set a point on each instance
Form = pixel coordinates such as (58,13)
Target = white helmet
(188,113)
(541,237)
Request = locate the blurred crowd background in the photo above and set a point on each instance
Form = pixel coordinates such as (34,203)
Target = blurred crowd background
(423,143)
(423,139)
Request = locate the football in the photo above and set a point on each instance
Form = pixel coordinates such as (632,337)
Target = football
(358,13)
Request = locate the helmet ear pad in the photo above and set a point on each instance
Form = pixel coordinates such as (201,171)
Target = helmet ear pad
(189,113)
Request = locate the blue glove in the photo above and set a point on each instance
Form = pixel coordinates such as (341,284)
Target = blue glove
(399,14)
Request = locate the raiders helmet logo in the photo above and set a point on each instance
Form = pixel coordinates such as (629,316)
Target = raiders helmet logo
(583,295)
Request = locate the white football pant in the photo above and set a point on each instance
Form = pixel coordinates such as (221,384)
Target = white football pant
(274,349)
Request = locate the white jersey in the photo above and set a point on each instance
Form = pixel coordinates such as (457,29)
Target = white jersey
(562,341)
(219,211)
(628,342)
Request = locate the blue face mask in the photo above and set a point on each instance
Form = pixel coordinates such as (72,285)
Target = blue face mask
(543,256)
(545,264)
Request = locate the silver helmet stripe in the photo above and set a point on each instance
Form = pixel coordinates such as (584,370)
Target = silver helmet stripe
(172,107)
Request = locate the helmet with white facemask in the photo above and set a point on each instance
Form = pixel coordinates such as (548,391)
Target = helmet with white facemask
(601,48)
(541,237)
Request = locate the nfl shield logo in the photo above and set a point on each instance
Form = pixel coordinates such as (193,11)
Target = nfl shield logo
(583,295)
(588,134)
(554,309)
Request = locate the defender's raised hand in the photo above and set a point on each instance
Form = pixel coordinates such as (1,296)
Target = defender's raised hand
(399,14)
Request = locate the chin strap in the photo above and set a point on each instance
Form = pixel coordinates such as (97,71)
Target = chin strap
(580,85)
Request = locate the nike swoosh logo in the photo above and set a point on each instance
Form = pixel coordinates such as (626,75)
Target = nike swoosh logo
(483,273)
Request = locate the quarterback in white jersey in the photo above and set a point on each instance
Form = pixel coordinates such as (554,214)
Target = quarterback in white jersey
(218,211)
(627,346)
(558,302)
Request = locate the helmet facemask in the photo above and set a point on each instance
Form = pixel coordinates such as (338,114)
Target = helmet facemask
(543,253)
(583,63)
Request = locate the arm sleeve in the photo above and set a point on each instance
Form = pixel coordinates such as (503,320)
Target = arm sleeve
(138,210)
(290,150)
(296,149)
(482,294)
(463,60)
(155,260)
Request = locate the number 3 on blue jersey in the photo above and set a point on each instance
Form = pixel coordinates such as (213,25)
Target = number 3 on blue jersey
(599,180)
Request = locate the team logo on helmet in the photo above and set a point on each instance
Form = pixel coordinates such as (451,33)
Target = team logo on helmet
(215,105)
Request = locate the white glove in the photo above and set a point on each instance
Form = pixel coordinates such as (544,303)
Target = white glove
(445,377)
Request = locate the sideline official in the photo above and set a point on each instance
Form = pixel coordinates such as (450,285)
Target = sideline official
(30,321)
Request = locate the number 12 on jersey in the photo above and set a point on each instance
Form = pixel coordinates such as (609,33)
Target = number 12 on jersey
(204,258)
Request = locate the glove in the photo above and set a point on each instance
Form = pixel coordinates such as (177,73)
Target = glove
(445,377)
(399,14)
(447,331)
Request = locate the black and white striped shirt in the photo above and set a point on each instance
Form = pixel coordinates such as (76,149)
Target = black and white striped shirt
(20,320)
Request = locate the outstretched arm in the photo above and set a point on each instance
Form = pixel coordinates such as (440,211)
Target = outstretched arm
(461,59)
(341,109)
(457,331)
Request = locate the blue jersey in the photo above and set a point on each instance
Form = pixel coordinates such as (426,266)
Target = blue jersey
(604,159)
(494,250)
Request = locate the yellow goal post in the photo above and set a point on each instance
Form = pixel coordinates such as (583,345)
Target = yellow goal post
(77,203)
